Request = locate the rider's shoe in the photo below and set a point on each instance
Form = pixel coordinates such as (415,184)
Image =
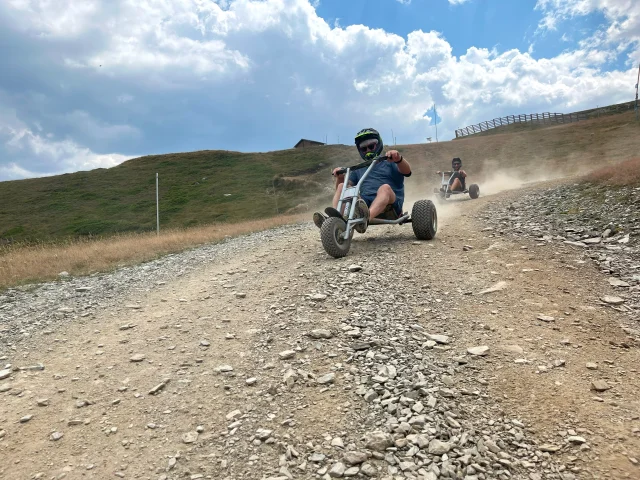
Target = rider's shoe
(362,211)
(318,219)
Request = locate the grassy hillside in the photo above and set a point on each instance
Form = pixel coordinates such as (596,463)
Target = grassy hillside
(195,188)
(193,185)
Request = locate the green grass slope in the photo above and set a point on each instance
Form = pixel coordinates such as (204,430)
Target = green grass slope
(195,188)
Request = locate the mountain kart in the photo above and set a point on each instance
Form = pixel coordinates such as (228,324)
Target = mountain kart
(337,230)
(445,191)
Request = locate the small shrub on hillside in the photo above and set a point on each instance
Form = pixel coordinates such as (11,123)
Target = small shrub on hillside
(623,174)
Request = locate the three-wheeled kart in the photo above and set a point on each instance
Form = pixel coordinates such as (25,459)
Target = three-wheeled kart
(337,230)
(445,191)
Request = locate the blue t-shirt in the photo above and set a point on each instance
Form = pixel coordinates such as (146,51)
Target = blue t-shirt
(383,172)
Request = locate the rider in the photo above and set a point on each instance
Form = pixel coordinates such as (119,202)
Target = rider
(385,183)
(458,179)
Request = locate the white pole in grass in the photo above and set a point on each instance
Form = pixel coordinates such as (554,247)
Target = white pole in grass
(157,206)
(637,85)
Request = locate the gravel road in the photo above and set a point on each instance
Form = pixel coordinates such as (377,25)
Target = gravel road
(491,352)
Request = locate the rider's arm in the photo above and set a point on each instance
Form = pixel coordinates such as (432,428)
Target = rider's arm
(404,168)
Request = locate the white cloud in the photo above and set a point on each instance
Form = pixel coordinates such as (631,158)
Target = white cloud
(458,2)
(623,21)
(124,98)
(61,18)
(172,69)
(139,36)
(53,156)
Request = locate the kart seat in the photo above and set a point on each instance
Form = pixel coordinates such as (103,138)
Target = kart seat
(388,214)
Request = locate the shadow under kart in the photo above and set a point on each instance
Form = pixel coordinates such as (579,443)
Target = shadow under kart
(337,231)
(444,192)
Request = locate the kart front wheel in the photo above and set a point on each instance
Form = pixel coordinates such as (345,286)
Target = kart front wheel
(474,191)
(331,236)
(424,219)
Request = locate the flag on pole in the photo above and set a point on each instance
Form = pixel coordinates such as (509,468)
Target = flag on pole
(432,115)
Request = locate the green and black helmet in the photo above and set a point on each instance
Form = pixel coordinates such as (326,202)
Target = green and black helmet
(369,143)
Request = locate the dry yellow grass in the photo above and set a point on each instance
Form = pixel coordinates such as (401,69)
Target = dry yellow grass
(27,264)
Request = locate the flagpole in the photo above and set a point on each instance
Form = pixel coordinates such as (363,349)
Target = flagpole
(435,116)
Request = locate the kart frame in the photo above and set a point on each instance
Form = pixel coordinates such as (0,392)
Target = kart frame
(350,195)
(445,187)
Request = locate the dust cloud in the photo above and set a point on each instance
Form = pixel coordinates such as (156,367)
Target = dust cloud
(491,176)
(492,179)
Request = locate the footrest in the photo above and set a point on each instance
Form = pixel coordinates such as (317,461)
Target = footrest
(332,212)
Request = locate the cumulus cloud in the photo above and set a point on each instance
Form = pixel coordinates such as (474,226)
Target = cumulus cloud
(38,155)
(621,32)
(96,77)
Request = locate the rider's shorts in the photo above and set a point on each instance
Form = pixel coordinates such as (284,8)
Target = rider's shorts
(459,177)
(397,205)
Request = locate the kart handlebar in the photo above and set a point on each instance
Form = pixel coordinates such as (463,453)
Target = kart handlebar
(366,164)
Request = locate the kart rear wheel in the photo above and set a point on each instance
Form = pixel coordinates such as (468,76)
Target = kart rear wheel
(424,219)
(474,191)
(330,234)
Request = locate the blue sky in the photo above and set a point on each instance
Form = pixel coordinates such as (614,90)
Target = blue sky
(91,83)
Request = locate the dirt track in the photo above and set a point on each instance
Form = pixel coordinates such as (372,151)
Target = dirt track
(245,311)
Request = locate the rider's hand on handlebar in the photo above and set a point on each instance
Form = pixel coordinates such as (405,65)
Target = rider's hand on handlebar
(393,156)
(335,170)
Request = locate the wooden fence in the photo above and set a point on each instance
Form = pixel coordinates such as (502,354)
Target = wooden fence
(540,118)
(544,118)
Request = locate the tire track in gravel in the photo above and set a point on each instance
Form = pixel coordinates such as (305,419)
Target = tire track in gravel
(312,402)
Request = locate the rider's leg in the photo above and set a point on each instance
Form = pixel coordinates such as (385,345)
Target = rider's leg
(319,217)
(456,185)
(336,195)
(385,196)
